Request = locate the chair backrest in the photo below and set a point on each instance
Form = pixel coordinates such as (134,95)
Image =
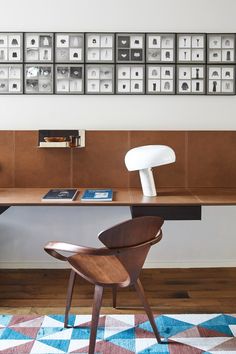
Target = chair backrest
(140,231)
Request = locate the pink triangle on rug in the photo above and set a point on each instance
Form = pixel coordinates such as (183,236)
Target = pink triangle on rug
(179,348)
(228,345)
(18,319)
(105,347)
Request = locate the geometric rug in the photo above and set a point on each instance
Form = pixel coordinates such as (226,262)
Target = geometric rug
(119,334)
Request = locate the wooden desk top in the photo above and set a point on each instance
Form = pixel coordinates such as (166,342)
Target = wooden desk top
(166,196)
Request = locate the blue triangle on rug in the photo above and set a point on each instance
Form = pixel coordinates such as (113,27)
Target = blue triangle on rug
(62,345)
(5,320)
(46,331)
(126,343)
(9,333)
(167,326)
(84,333)
(126,334)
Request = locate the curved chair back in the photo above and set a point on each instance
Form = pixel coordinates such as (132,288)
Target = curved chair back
(137,236)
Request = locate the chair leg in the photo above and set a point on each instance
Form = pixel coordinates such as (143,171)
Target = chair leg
(114,293)
(140,291)
(97,302)
(69,296)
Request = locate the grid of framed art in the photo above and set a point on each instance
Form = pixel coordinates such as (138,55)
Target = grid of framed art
(104,63)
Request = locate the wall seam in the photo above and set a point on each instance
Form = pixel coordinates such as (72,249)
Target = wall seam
(186,160)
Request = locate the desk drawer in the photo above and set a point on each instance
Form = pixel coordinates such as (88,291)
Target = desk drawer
(174,212)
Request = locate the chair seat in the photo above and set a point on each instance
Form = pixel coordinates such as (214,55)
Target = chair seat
(100,270)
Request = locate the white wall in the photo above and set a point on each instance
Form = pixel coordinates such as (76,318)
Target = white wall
(118,112)
(23,231)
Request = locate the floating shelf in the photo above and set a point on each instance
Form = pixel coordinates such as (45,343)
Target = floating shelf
(66,139)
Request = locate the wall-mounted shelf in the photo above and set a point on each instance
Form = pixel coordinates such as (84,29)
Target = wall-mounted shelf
(61,138)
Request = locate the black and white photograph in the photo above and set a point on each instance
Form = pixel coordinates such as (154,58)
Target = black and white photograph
(221,80)
(11,79)
(99,79)
(100,47)
(221,48)
(39,47)
(191,48)
(191,79)
(160,47)
(160,79)
(130,79)
(39,79)
(69,47)
(130,48)
(69,79)
(11,47)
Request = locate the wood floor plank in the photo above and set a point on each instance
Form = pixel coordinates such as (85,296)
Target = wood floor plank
(199,290)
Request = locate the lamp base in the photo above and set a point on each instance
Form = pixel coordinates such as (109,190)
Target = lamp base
(147,182)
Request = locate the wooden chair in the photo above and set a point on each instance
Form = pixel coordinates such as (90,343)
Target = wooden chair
(116,265)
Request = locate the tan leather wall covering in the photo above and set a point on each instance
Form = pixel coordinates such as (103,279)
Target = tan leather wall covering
(204,159)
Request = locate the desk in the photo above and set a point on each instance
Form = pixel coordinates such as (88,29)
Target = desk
(169,200)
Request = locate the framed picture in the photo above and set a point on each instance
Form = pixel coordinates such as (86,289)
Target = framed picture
(160,47)
(100,47)
(221,80)
(191,48)
(99,79)
(130,79)
(130,48)
(39,78)
(191,79)
(11,78)
(11,47)
(69,47)
(69,79)
(221,48)
(160,79)
(39,47)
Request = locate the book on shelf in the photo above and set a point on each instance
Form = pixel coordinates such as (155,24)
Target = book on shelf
(97,195)
(57,195)
(54,144)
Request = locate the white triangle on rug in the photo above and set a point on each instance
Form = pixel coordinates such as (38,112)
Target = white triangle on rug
(76,344)
(36,322)
(41,348)
(80,319)
(223,352)
(202,343)
(12,343)
(233,329)
(127,319)
(193,319)
(111,331)
(51,322)
(61,335)
(144,343)
(116,324)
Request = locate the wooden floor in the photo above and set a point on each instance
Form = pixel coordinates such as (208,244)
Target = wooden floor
(204,290)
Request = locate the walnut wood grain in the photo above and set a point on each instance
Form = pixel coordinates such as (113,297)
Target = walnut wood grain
(43,291)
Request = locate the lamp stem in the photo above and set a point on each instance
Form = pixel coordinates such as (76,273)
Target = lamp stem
(147,182)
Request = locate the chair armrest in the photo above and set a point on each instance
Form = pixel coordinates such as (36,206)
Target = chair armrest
(53,248)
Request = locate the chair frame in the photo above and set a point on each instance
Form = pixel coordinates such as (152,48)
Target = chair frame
(54,248)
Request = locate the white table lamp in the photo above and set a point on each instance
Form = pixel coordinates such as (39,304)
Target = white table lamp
(143,158)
